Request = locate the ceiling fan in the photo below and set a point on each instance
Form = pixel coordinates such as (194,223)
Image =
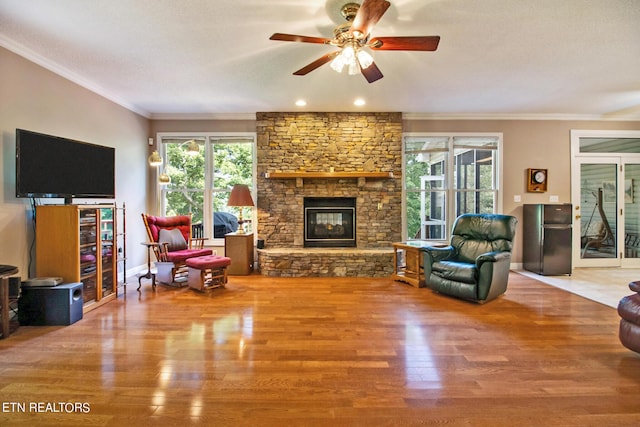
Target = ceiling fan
(352,38)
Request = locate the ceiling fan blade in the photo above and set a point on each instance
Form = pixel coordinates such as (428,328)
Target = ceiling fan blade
(425,43)
(372,73)
(316,64)
(368,15)
(296,38)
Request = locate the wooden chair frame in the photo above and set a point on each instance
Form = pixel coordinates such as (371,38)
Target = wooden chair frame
(170,266)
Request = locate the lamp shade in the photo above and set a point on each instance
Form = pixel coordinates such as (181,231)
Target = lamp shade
(155,159)
(240,196)
(164,179)
(193,149)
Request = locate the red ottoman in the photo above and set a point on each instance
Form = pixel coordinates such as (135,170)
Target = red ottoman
(206,272)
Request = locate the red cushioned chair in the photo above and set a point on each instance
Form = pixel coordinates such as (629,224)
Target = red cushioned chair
(174,246)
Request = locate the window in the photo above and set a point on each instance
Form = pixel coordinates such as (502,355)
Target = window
(446,176)
(201,180)
(612,144)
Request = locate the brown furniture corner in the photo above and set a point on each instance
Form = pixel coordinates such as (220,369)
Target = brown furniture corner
(239,247)
(5,300)
(629,311)
(407,262)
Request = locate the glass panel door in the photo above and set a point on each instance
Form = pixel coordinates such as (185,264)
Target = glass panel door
(89,254)
(107,253)
(631,194)
(605,193)
(596,214)
(607,216)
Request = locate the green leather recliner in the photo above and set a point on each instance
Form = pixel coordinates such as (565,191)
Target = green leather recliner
(475,266)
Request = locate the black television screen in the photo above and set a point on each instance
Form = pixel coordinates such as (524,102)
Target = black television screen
(51,166)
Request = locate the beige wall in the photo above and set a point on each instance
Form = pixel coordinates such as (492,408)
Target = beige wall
(542,144)
(36,99)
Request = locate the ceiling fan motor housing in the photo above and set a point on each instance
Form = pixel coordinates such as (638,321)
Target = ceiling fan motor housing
(341,34)
(349,11)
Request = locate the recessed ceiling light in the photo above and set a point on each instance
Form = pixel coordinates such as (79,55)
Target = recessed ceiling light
(359,102)
(301,102)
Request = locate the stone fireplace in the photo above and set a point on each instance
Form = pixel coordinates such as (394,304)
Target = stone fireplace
(321,156)
(329,222)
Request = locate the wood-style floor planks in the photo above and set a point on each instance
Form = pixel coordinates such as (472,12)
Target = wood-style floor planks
(327,352)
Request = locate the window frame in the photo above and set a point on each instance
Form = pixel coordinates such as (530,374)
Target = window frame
(210,139)
(450,192)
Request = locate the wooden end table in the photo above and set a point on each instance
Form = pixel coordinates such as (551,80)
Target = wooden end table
(410,271)
(239,247)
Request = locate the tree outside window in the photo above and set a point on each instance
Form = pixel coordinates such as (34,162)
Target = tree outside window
(201,182)
(233,164)
(185,193)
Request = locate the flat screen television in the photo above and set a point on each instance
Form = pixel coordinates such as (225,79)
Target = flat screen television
(52,166)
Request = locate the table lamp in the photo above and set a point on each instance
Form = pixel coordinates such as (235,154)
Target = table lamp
(240,197)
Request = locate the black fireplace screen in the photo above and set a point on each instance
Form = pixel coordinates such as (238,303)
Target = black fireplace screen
(329,222)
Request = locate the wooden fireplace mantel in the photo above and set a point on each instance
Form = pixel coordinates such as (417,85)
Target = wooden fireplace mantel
(300,176)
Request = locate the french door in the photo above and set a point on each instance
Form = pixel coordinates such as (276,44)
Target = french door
(606,203)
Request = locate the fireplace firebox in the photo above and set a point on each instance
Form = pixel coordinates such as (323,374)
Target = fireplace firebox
(330,222)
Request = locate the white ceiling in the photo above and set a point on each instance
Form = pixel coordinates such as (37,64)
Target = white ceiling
(206,58)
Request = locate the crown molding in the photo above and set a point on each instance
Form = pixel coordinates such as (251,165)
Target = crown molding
(64,72)
(497,116)
(410,116)
(202,116)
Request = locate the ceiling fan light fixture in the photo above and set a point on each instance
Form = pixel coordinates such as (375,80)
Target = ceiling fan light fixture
(338,63)
(364,59)
(353,68)
(349,57)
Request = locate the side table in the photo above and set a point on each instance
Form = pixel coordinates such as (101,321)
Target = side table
(409,268)
(239,247)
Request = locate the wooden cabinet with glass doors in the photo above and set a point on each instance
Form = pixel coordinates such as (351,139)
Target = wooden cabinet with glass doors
(76,242)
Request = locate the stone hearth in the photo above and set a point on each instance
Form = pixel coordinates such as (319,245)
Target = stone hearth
(319,262)
(327,142)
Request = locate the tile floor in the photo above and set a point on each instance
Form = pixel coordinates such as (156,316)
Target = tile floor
(604,285)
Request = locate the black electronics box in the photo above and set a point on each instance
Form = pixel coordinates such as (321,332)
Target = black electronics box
(49,306)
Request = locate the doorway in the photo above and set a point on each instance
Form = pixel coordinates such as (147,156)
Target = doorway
(606,198)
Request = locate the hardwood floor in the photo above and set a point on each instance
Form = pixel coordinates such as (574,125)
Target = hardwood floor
(325,352)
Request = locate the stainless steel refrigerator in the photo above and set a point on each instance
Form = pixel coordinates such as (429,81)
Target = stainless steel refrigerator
(547,239)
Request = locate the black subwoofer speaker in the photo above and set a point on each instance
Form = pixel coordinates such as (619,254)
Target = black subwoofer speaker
(48,306)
